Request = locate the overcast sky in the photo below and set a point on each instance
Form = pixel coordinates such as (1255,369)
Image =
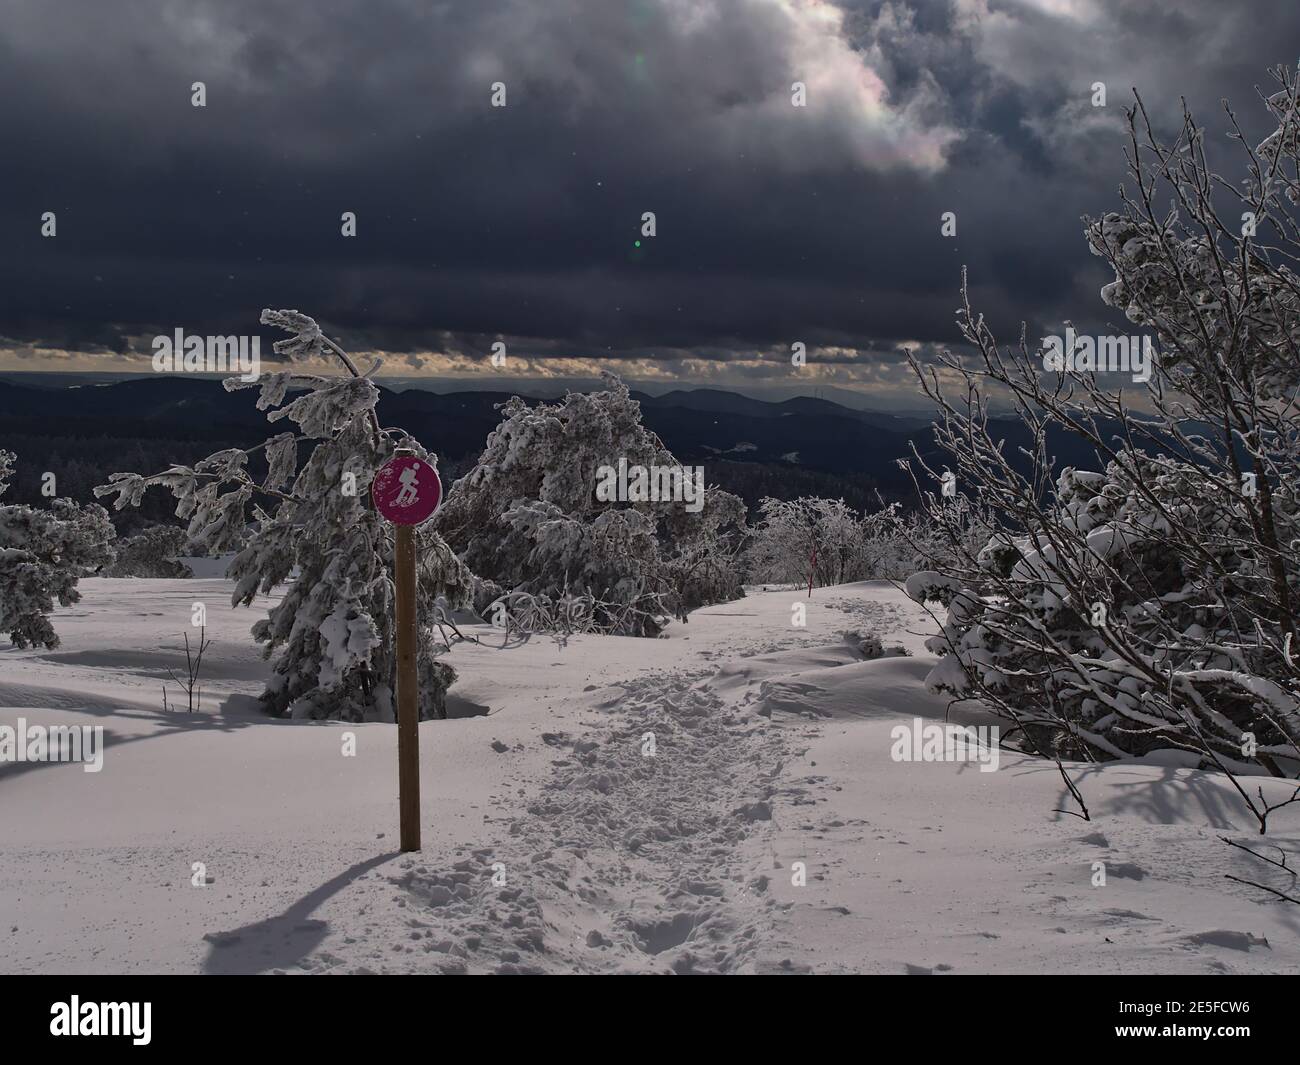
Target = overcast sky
(775,223)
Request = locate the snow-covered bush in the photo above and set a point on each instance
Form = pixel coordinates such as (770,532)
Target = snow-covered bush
(870,646)
(43,553)
(1083,617)
(331,637)
(1151,606)
(527,517)
(934,545)
(830,541)
(151,553)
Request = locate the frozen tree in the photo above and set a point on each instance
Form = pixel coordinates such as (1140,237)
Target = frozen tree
(837,539)
(151,553)
(825,541)
(704,562)
(1149,606)
(613,557)
(527,517)
(923,544)
(310,525)
(43,553)
(784,543)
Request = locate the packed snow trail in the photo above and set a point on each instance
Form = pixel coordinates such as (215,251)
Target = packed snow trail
(627,860)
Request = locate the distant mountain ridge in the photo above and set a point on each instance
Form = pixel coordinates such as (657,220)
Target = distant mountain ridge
(718,400)
(699,426)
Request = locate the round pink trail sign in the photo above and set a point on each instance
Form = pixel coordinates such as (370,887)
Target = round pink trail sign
(406,490)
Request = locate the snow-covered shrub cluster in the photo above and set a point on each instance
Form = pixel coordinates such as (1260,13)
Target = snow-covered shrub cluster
(1152,605)
(1091,610)
(832,542)
(43,553)
(330,637)
(525,614)
(527,518)
(151,553)
(871,646)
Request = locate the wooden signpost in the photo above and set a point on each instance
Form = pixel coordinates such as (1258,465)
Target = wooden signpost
(406,491)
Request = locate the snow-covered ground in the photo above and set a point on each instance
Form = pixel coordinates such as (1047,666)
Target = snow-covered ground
(771,748)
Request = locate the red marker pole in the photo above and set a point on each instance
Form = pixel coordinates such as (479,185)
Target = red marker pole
(408,715)
(407,491)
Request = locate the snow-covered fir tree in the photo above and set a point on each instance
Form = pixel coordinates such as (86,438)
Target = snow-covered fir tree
(528,519)
(1150,605)
(310,525)
(43,553)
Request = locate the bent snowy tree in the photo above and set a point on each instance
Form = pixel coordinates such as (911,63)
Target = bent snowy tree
(1150,605)
(528,519)
(312,527)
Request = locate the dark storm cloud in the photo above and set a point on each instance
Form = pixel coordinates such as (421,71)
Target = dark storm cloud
(774,223)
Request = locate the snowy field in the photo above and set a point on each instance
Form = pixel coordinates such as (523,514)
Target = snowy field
(772,748)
